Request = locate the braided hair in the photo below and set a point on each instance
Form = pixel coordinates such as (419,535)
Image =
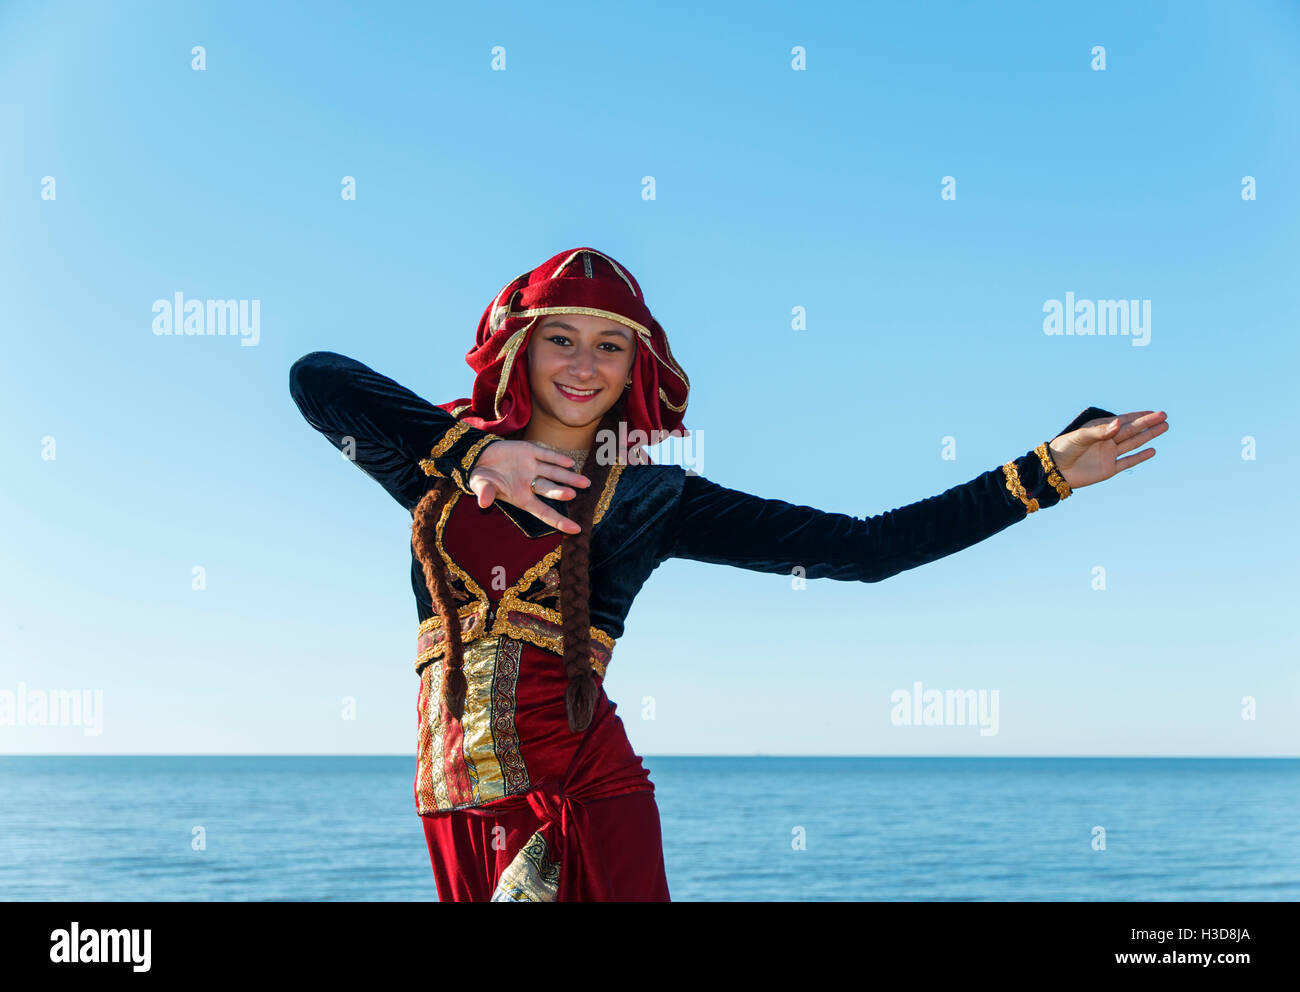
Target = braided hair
(575,587)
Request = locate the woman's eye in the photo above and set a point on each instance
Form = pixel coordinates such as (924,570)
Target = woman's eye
(558,338)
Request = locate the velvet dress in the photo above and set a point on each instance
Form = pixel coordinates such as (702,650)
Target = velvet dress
(515,806)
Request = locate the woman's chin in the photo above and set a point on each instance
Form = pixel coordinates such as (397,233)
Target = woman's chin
(583,414)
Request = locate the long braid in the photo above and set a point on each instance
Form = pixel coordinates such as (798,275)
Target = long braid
(424,535)
(575,586)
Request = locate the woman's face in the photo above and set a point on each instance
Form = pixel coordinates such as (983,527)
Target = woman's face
(582,352)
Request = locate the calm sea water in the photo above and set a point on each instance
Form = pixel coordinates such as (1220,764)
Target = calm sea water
(325,828)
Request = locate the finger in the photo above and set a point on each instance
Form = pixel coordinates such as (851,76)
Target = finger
(1137,440)
(1125,463)
(1097,432)
(486,495)
(1135,423)
(548,516)
(562,476)
(553,457)
(552,490)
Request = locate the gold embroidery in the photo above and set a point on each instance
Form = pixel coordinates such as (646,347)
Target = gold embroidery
(527,579)
(532,876)
(470,611)
(473,615)
(451,437)
(664,396)
(478,759)
(1054,478)
(430,778)
(602,504)
(479,445)
(1015,488)
(548,634)
(642,332)
(510,350)
(470,584)
(607,494)
(552,643)
(612,265)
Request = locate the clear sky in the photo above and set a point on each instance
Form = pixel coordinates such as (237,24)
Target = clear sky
(774,188)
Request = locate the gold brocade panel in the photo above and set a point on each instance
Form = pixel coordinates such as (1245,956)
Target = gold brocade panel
(477,759)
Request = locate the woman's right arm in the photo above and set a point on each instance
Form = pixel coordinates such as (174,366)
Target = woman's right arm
(395,436)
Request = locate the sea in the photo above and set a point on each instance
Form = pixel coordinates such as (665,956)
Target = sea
(781,829)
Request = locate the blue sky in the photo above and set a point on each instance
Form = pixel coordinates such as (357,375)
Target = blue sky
(774,189)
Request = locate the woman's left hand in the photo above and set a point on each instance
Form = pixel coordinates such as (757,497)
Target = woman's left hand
(1091,453)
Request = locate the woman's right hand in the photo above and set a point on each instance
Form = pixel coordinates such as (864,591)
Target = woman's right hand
(506,470)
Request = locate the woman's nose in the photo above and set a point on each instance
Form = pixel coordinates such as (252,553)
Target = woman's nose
(583,364)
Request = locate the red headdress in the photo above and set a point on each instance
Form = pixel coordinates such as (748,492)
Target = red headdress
(582,280)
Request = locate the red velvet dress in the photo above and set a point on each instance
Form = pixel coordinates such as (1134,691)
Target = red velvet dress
(515,806)
(589,803)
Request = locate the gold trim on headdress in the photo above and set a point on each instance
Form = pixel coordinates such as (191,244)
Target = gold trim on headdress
(591,251)
(509,350)
(642,331)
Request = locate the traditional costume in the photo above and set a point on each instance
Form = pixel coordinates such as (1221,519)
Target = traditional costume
(515,806)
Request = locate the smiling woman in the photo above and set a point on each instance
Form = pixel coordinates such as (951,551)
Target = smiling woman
(578,367)
(528,785)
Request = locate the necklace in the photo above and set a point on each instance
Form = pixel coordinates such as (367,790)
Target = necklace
(579,455)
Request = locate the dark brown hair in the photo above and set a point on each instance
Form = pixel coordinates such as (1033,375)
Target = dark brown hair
(575,586)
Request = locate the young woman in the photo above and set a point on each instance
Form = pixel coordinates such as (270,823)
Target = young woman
(527,783)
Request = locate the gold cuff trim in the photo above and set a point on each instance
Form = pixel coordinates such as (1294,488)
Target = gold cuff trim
(1054,477)
(453,435)
(1015,488)
(479,445)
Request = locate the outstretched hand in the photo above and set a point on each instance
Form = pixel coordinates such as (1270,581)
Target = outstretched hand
(506,470)
(1091,453)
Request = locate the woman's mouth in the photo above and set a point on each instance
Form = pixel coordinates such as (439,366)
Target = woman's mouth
(577,395)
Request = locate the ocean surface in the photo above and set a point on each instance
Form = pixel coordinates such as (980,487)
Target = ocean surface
(734,828)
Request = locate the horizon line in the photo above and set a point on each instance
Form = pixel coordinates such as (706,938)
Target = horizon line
(758,754)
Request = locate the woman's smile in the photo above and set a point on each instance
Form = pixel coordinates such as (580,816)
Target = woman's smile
(577,395)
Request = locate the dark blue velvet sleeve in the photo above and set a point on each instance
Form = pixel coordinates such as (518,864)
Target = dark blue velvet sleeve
(388,429)
(727,527)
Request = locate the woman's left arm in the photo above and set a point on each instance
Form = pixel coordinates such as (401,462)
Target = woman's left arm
(728,527)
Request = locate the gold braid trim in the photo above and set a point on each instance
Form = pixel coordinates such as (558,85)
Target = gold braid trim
(502,626)
(475,612)
(479,445)
(1015,488)
(607,494)
(448,439)
(451,437)
(1054,477)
